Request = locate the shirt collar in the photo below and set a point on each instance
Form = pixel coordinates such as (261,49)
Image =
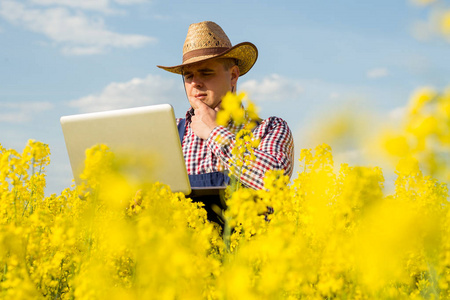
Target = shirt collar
(189,114)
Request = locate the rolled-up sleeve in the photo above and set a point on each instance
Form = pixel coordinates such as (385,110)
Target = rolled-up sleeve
(274,152)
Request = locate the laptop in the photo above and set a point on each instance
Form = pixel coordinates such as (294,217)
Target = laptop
(145,139)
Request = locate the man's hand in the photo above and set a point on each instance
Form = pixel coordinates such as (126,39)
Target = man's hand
(204,120)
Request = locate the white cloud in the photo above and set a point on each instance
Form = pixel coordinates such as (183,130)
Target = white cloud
(349,156)
(98,5)
(136,92)
(20,112)
(377,73)
(104,6)
(397,115)
(82,50)
(334,95)
(130,2)
(272,88)
(77,33)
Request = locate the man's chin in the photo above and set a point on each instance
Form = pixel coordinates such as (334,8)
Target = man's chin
(195,107)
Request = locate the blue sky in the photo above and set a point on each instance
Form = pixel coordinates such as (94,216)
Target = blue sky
(61,57)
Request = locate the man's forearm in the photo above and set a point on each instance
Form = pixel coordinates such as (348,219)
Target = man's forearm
(274,152)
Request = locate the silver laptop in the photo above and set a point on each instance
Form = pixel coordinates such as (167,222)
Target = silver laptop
(145,139)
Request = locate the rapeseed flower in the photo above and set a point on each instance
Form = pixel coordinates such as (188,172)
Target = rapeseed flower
(331,233)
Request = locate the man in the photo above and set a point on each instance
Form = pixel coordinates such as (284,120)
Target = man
(211,67)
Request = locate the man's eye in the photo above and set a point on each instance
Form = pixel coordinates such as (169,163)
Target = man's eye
(187,76)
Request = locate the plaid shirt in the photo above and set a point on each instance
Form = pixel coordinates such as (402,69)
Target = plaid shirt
(275,151)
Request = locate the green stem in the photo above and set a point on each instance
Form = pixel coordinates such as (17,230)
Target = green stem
(5,270)
(227,235)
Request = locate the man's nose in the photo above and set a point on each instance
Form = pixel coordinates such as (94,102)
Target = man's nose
(196,81)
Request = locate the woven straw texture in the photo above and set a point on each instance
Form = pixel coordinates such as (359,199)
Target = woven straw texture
(205,35)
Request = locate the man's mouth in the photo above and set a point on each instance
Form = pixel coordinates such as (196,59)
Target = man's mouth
(200,96)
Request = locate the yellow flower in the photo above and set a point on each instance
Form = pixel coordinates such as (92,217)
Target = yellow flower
(332,232)
(445,23)
(232,108)
(396,145)
(423,2)
(420,98)
(408,166)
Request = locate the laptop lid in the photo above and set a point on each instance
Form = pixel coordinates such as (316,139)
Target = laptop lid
(145,138)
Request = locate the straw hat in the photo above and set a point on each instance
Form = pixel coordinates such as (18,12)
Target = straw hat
(206,40)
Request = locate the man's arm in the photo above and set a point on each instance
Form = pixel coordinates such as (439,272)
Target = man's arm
(275,151)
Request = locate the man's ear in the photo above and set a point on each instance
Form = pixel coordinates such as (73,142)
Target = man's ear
(234,72)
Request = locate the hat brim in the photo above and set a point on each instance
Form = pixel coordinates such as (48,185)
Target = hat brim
(246,54)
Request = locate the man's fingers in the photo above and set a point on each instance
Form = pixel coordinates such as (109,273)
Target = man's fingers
(218,106)
(197,103)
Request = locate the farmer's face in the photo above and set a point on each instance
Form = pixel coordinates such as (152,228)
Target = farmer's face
(209,81)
